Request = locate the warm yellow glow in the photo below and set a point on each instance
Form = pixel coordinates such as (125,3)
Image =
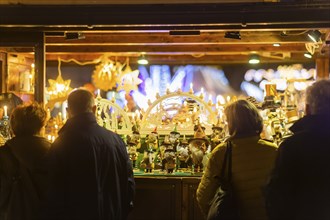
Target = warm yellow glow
(221,99)
(59,88)
(5,113)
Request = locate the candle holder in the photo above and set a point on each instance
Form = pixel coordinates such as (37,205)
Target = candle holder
(4,128)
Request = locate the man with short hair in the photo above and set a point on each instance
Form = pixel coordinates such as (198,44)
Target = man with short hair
(91,176)
(299,186)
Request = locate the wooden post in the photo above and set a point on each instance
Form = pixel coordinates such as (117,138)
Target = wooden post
(40,69)
(3,72)
(322,68)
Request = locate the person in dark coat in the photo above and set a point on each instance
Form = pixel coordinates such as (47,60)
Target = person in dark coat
(23,174)
(91,176)
(299,187)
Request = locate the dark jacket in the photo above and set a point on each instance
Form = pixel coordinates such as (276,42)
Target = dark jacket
(23,177)
(299,188)
(91,175)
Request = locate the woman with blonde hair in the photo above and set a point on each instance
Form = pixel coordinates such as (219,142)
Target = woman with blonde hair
(23,176)
(252,160)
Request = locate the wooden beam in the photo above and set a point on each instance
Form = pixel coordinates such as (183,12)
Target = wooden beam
(152,38)
(179,59)
(175,49)
(251,16)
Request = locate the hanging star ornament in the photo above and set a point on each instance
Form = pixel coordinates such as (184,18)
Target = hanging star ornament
(129,81)
(106,74)
(58,88)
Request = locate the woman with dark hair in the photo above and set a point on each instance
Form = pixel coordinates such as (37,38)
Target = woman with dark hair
(22,164)
(252,160)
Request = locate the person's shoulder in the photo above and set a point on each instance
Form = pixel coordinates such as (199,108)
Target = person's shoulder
(4,152)
(219,149)
(295,139)
(110,135)
(297,142)
(268,143)
(3,149)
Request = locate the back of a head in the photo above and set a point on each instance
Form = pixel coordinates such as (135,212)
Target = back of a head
(318,98)
(80,101)
(28,119)
(243,119)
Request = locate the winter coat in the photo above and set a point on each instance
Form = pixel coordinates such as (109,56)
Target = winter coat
(299,186)
(91,176)
(23,177)
(252,160)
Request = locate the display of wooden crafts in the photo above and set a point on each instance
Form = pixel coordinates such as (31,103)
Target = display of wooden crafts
(147,162)
(133,144)
(152,140)
(218,134)
(178,110)
(174,138)
(167,155)
(183,154)
(184,113)
(132,152)
(198,146)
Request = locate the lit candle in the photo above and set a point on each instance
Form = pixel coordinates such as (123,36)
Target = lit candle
(202,93)
(113,97)
(168,89)
(221,99)
(191,90)
(5,111)
(137,113)
(220,114)
(210,100)
(228,98)
(98,93)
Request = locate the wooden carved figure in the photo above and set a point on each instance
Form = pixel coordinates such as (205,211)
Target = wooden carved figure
(198,147)
(147,162)
(168,155)
(183,153)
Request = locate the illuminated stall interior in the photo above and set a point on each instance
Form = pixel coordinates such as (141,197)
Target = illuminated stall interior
(199,58)
(224,52)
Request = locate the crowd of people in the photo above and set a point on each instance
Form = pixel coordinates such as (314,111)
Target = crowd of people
(86,173)
(291,182)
